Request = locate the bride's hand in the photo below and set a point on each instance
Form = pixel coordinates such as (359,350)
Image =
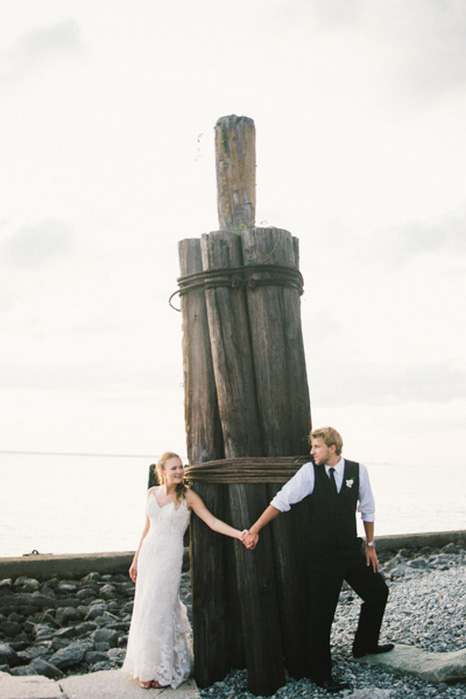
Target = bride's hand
(133,571)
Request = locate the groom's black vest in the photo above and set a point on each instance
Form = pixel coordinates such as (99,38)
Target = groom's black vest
(333,516)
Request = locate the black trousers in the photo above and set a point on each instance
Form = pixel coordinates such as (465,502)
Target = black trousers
(327,573)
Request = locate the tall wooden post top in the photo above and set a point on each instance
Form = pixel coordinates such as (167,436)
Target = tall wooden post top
(235,156)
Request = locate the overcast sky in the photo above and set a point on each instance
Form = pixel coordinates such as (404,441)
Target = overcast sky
(107,124)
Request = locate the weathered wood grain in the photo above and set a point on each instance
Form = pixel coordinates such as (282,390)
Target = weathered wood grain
(204,443)
(236,391)
(235,152)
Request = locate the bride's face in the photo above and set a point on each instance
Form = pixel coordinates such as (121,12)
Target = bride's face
(174,471)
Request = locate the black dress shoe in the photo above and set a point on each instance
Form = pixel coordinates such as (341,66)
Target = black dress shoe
(332,685)
(361,652)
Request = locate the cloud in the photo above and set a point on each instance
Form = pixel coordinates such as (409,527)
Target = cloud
(400,245)
(64,37)
(40,47)
(97,378)
(35,246)
(361,382)
(433,40)
(419,44)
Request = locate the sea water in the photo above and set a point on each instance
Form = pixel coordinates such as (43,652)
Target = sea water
(55,503)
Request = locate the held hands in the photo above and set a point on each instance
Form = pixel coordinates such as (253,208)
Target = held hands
(249,540)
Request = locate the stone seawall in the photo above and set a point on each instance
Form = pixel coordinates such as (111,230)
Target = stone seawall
(44,566)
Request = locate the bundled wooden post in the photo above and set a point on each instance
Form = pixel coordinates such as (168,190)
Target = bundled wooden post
(246,395)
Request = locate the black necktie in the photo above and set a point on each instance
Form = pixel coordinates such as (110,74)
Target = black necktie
(332,478)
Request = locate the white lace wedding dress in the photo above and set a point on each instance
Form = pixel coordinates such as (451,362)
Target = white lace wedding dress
(159,643)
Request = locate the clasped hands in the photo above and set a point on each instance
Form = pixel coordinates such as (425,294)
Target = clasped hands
(249,540)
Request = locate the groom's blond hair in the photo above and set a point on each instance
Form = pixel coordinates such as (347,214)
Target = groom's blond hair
(330,437)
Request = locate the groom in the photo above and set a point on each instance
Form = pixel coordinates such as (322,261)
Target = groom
(335,486)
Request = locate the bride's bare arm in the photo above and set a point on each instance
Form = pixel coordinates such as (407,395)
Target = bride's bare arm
(196,504)
(133,569)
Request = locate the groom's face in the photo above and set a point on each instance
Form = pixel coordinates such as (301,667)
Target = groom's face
(321,452)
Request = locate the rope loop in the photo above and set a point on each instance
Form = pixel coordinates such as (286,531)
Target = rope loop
(249,276)
(248,469)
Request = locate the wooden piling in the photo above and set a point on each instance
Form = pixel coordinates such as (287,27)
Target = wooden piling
(246,395)
(204,442)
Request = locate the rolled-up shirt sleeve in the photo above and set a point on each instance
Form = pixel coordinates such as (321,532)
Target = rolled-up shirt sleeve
(300,485)
(366,498)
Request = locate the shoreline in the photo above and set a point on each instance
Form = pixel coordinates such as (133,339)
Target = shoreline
(42,566)
(78,624)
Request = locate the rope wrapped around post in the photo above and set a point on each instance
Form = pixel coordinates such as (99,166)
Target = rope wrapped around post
(249,276)
(257,469)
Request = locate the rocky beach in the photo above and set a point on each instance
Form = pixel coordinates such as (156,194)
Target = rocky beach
(72,626)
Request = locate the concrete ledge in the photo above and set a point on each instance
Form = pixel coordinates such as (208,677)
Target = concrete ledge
(44,566)
(435,540)
(111,684)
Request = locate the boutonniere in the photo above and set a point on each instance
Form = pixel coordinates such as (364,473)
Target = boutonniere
(349,482)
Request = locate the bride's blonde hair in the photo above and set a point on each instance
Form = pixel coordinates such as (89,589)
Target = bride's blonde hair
(181,488)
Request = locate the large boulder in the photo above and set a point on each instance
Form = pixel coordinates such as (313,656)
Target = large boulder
(432,667)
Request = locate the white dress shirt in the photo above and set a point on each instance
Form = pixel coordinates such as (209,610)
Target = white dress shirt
(302,484)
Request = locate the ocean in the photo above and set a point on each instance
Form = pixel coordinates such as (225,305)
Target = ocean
(60,503)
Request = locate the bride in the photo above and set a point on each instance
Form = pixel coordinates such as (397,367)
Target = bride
(159,648)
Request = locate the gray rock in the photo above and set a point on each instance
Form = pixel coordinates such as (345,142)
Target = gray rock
(102,665)
(117,654)
(398,572)
(67,632)
(86,628)
(23,670)
(432,667)
(93,656)
(95,611)
(33,652)
(8,656)
(59,643)
(419,563)
(109,636)
(108,592)
(450,548)
(10,628)
(43,631)
(47,591)
(66,614)
(30,585)
(68,657)
(370,693)
(91,577)
(42,667)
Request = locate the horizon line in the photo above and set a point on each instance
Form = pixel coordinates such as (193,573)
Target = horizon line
(74,453)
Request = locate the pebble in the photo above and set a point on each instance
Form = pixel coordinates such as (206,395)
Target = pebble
(426,607)
(62,627)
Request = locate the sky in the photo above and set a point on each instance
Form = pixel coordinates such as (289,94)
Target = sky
(107,120)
